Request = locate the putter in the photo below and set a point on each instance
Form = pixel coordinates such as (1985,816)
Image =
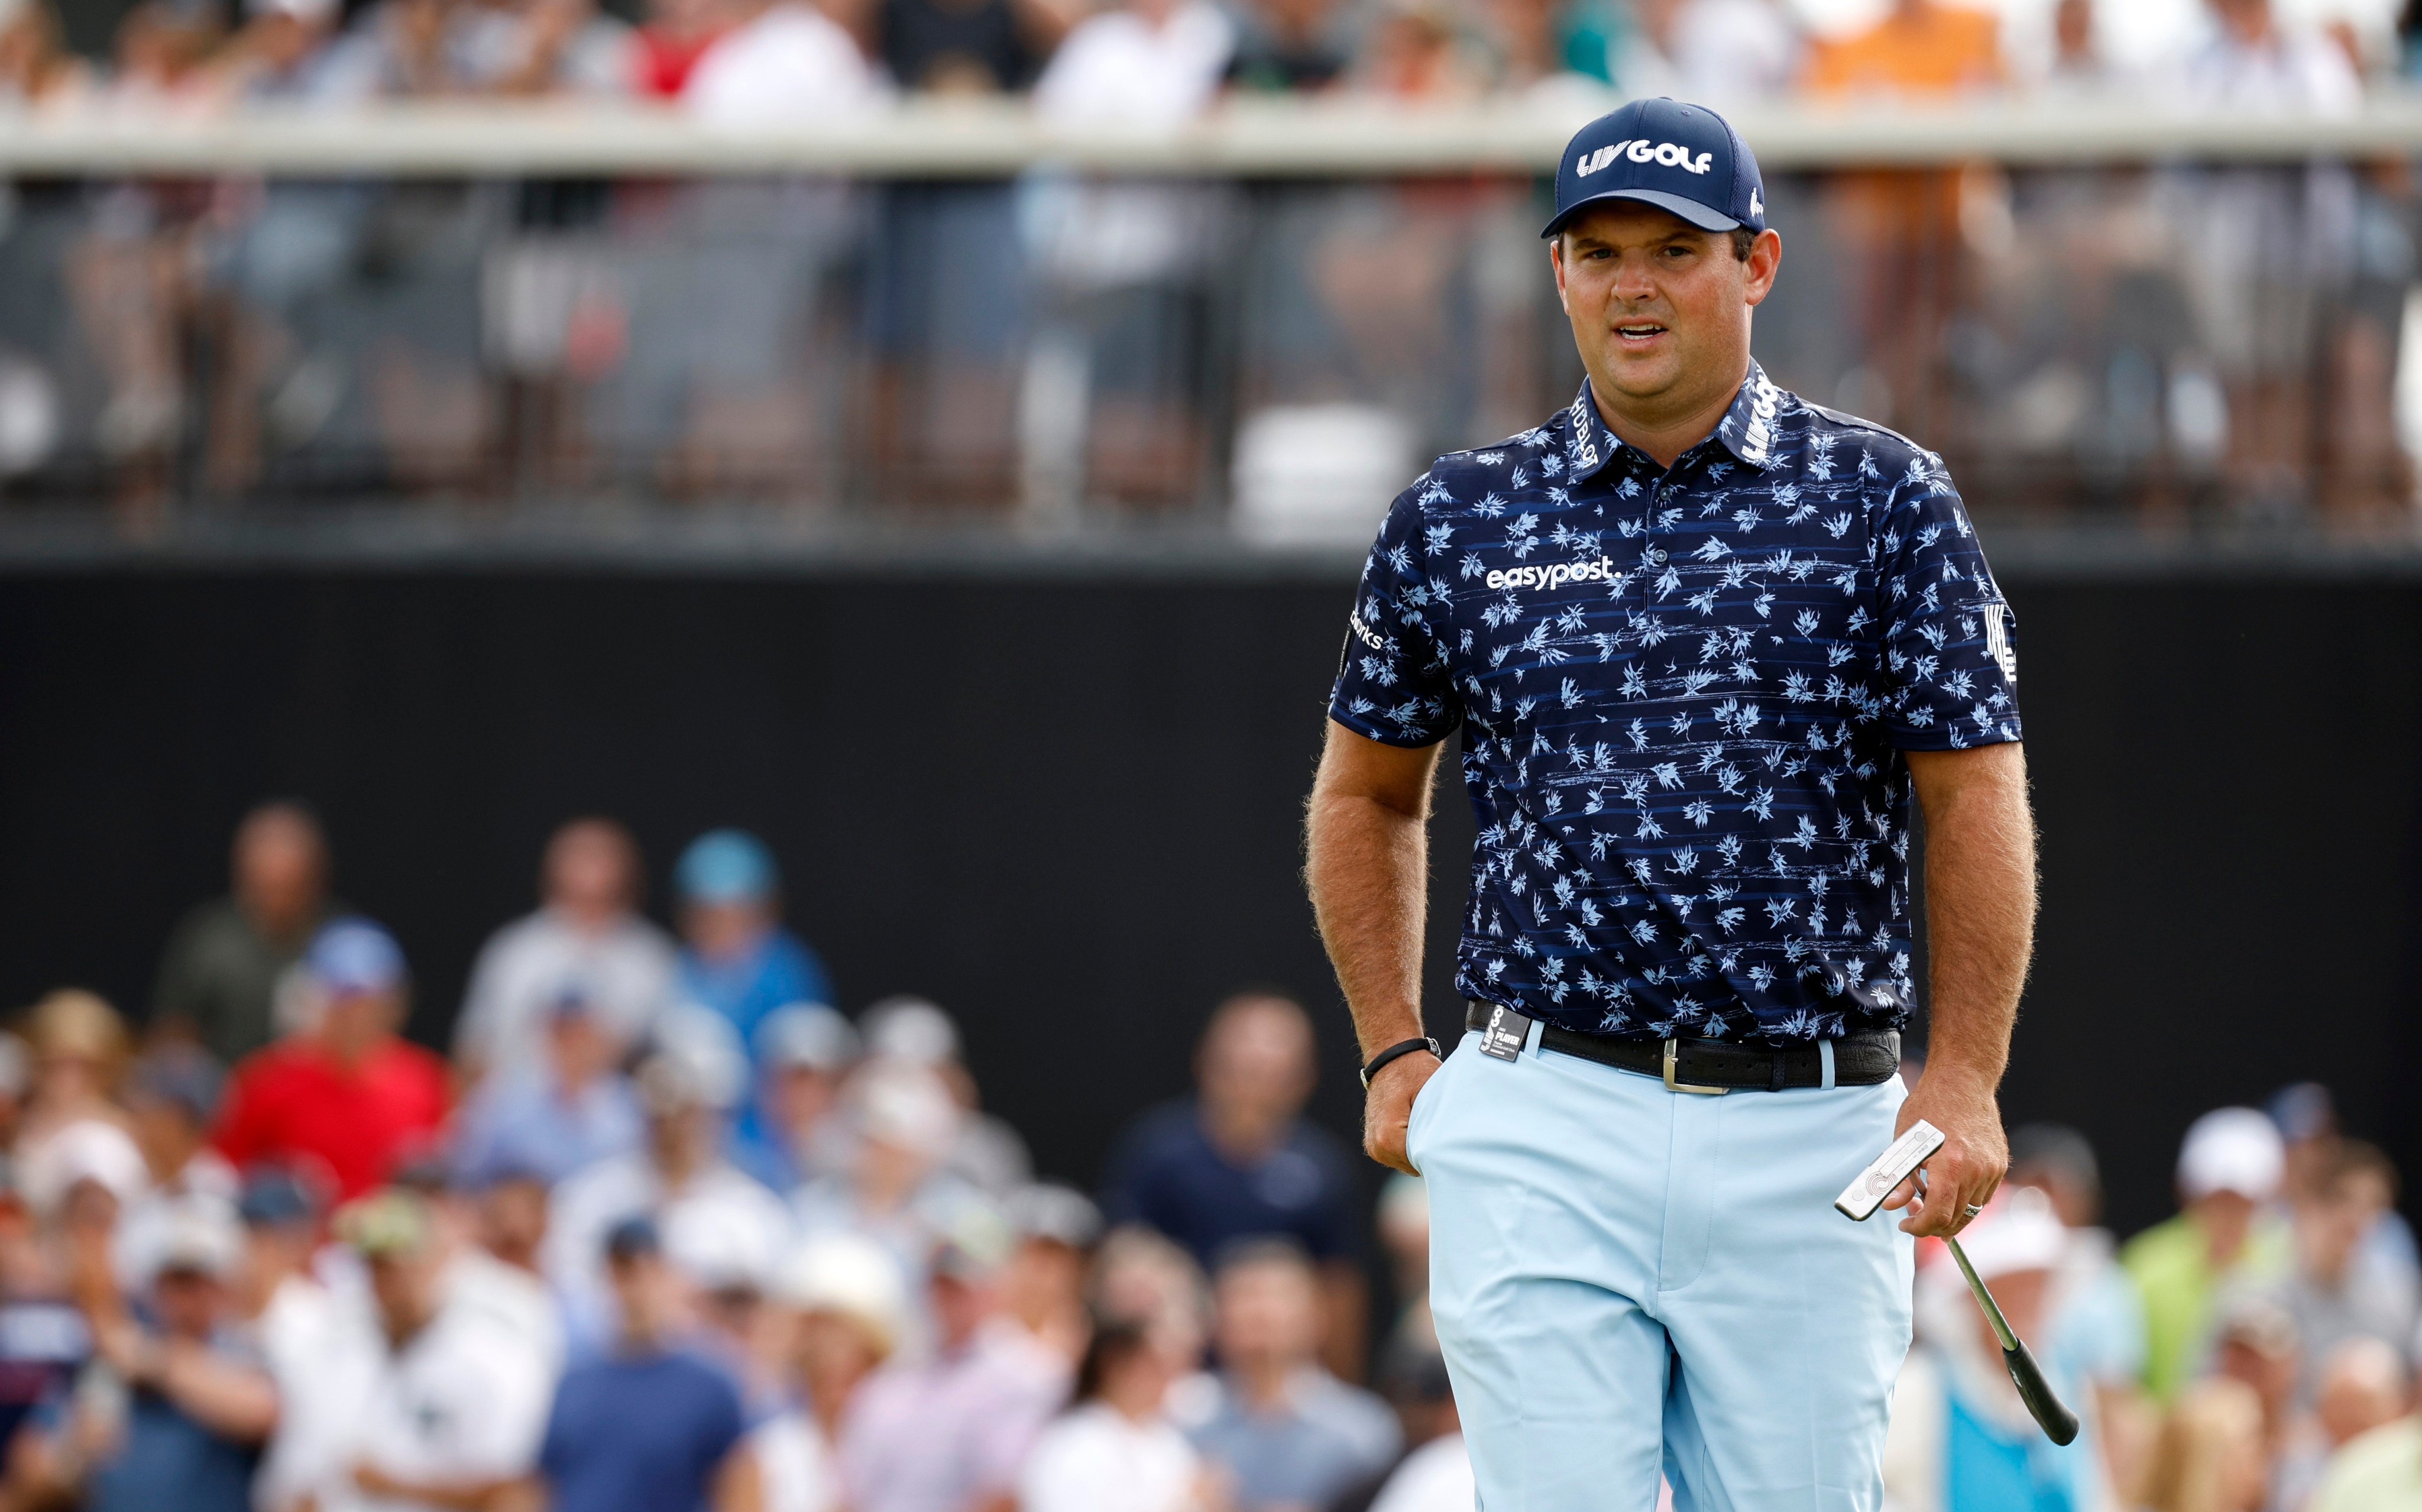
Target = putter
(1859,1202)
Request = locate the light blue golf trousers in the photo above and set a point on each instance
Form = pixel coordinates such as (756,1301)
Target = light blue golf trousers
(1628,1279)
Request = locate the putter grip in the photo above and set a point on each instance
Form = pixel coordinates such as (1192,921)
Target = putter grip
(2058,1422)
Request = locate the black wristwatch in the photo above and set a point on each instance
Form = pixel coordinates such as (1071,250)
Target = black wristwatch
(1372,1067)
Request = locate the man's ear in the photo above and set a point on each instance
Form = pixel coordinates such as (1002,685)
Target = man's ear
(1765,261)
(1556,261)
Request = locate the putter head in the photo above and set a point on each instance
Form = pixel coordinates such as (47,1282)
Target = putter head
(1863,1196)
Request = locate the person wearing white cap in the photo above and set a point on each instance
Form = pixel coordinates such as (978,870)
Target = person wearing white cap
(791,1131)
(679,1177)
(914,1032)
(848,1305)
(950,1432)
(2228,1169)
(1960,1440)
(895,1190)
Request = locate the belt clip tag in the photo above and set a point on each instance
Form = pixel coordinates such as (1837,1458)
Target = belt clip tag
(1506,1033)
(1672,1048)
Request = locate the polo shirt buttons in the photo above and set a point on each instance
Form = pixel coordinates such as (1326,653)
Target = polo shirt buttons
(1658,555)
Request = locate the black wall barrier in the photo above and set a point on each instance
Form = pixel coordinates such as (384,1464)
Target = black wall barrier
(1069,810)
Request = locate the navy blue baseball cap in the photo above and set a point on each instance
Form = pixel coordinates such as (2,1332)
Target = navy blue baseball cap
(1681,158)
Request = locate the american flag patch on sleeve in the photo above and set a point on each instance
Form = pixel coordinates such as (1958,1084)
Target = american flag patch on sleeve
(1997,640)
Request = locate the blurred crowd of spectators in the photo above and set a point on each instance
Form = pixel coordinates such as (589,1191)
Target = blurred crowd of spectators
(668,1232)
(2254,1353)
(1159,60)
(2165,336)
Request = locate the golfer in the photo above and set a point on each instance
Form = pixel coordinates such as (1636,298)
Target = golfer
(1702,639)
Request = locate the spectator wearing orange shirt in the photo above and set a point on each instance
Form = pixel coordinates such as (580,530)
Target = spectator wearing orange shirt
(343,1097)
(1902,229)
(1922,48)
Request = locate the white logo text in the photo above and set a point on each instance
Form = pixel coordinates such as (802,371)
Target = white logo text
(1640,149)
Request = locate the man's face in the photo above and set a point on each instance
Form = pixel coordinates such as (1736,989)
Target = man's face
(352,1022)
(2327,1230)
(589,871)
(580,1047)
(1267,1310)
(278,871)
(961,1303)
(188,1301)
(647,1293)
(1659,308)
(512,1219)
(403,1286)
(720,931)
(1259,1056)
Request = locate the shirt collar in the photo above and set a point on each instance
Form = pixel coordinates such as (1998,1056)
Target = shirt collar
(1747,430)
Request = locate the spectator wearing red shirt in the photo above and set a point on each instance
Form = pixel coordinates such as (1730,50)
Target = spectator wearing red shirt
(342,1094)
(675,36)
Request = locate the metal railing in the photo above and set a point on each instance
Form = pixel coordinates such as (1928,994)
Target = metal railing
(1267,319)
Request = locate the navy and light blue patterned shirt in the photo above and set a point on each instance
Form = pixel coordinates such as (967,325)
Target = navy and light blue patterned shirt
(1684,695)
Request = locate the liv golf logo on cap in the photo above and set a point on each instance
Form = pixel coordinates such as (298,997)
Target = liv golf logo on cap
(1682,159)
(1669,153)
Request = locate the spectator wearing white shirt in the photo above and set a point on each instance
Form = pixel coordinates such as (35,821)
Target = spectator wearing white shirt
(170,1097)
(1154,62)
(452,1408)
(587,940)
(701,1202)
(1722,53)
(786,61)
(1437,1478)
(1115,1449)
(1109,375)
(2267,248)
(304,1336)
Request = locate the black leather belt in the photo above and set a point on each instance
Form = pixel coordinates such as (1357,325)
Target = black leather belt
(1711,1066)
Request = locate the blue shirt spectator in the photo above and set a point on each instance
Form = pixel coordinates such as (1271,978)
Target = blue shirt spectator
(1239,1160)
(551,1121)
(1684,694)
(643,1432)
(167,1457)
(651,1427)
(736,957)
(1284,1432)
(200,1404)
(1172,1175)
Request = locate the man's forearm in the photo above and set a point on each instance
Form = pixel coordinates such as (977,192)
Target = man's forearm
(1980,918)
(1367,866)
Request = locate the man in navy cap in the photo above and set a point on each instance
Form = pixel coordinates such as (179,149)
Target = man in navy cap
(1703,640)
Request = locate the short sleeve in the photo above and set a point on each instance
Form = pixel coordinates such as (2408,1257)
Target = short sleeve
(559,1445)
(1392,683)
(723,1419)
(1950,663)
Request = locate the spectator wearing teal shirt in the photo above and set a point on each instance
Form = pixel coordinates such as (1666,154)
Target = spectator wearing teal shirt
(1961,1441)
(736,957)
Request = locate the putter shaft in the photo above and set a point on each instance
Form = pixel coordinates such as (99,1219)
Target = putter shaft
(1984,1299)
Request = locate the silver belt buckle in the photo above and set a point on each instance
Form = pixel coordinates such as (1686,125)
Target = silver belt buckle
(1672,1048)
